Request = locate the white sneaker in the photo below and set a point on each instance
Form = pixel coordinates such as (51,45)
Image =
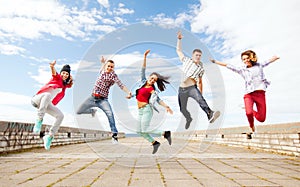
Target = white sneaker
(213,116)
(114,140)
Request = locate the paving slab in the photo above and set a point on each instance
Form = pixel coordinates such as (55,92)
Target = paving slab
(131,163)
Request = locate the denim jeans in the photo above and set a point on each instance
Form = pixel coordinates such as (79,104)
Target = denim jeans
(193,92)
(103,104)
(44,105)
(145,116)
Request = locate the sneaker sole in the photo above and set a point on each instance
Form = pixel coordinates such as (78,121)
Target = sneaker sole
(215,116)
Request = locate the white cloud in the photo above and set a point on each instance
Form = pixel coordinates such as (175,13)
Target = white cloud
(104,3)
(169,22)
(8,98)
(8,49)
(262,25)
(52,18)
(121,10)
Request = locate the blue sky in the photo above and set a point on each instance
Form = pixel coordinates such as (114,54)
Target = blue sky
(33,33)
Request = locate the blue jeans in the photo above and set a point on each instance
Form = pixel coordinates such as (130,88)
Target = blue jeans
(103,104)
(193,92)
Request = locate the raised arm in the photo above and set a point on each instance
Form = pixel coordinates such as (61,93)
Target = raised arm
(102,61)
(179,46)
(145,58)
(52,64)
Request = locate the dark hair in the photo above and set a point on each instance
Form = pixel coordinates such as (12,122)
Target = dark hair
(111,61)
(161,81)
(252,56)
(197,50)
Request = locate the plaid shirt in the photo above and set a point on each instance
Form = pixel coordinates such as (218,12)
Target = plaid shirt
(246,73)
(105,81)
(191,69)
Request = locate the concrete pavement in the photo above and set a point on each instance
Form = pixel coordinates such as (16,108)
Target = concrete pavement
(130,163)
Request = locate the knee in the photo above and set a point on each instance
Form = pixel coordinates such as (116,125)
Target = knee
(183,109)
(60,116)
(261,118)
(249,113)
(47,96)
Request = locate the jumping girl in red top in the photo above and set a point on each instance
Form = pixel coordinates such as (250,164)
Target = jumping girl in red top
(46,99)
(146,98)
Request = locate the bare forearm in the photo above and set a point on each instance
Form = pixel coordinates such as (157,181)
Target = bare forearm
(144,62)
(126,90)
(218,62)
(273,59)
(179,49)
(52,68)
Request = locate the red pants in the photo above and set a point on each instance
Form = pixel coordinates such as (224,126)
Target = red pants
(257,97)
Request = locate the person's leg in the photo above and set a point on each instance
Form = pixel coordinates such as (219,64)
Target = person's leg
(260,101)
(249,110)
(197,96)
(59,116)
(86,106)
(41,101)
(104,105)
(195,93)
(182,101)
(145,116)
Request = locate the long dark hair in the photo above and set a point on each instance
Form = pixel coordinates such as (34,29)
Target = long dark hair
(161,81)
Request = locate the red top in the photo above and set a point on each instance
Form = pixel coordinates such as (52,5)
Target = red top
(144,94)
(55,82)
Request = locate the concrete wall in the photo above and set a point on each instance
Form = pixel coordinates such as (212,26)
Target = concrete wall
(278,138)
(16,136)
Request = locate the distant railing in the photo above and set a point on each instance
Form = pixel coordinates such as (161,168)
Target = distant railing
(278,138)
(17,136)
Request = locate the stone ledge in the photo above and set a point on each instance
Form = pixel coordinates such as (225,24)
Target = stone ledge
(17,136)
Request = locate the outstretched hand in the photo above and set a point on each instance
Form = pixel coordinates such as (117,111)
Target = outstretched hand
(102,59)
(212,60)
(179,35)
(274,58)
(52,64)
(129,95)
(146,52)
(169,110)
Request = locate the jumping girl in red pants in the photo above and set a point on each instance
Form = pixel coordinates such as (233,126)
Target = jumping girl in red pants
(255,84)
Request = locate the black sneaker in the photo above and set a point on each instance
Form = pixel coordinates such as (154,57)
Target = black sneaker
(188,122)
(213,115)
(167,135)
(115,138)
(155,145)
